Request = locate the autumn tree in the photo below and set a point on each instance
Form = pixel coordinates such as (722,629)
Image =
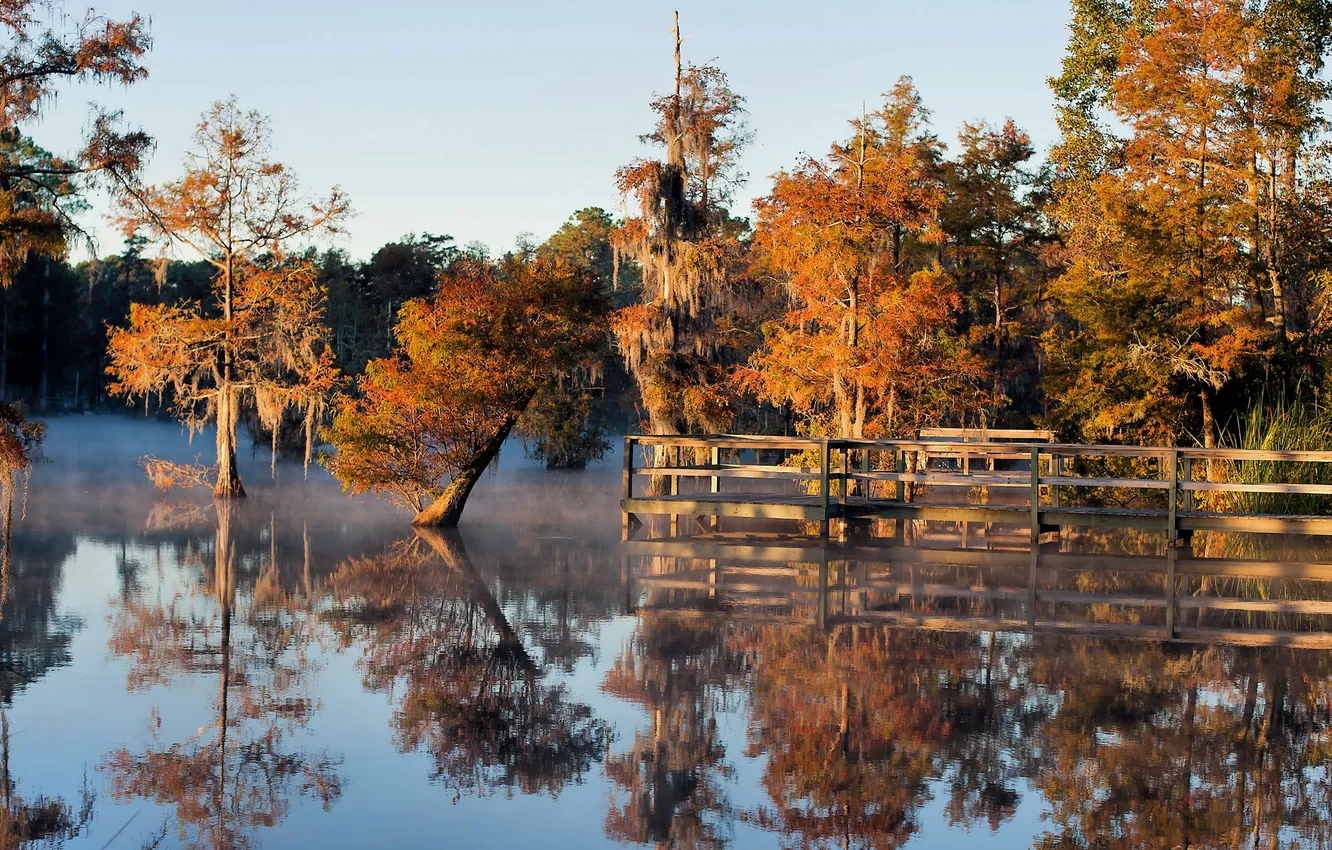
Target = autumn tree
(1185,217)
(867,344)
(566,425)
(677,339)
(259,340)
(39,191)
(469,361)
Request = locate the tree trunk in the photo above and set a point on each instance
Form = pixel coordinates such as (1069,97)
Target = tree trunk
(4,342)
(447,508)
(43,386)
(228,479)
(1208,419)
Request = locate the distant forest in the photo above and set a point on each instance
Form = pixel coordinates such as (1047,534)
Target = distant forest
(1164,270)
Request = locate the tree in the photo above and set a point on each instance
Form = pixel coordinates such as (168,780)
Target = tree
(469,361)
(40,192)
(867,344)
(567,422)
(1185,238)
(260,340)
(995,239)
(688,250)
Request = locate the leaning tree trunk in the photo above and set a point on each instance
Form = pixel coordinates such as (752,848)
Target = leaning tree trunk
(447,508)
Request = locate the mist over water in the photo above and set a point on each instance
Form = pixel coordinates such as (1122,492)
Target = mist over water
(302,669)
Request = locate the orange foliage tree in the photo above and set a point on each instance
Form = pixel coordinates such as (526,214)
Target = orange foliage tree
(469,360)
(39,191)
(677,339)
(868,342)
(1186,233)
(261,341)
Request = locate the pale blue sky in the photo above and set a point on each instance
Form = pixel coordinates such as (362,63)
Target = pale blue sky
(485,120)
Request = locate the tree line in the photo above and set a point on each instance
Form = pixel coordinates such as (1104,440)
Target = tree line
(1162,270)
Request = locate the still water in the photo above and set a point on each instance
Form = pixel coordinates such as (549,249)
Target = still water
(305,671)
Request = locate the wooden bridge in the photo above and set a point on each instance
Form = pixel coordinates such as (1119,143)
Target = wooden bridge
(1042,486)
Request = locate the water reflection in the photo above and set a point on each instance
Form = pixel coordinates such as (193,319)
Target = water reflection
(45,821)
(34,638)
(466,690)
(234,773)
(671,784)
(1130,746)
(701,699)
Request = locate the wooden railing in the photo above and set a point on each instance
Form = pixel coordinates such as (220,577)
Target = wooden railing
(854,480)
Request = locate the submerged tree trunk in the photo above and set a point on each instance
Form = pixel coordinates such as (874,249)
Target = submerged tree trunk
(447,508)
(228,479)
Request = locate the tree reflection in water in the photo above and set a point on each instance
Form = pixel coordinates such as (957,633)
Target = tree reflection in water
(34,638)
(235,774)
(671,784)
(472,698)
(1132,746)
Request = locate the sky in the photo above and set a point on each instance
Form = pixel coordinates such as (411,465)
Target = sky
(485,120)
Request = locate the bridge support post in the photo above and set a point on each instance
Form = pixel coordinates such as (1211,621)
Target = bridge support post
(1035,498)
(1172,543)
(825,467)
(1033,575)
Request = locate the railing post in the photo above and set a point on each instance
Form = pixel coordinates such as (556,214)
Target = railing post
(1172,522)
(1036,496)
(865,466)
(845,467)
(825,465)
(673,488)
(1056,471)
(629,467)
(627,487)
(1186,475)
(899,464)
(714,459)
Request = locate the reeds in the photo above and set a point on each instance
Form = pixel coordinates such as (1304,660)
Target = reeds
(1282,426)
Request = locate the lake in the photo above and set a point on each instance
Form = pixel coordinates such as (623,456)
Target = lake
(303,670)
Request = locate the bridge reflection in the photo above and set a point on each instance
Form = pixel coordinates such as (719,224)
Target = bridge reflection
(1156,593)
